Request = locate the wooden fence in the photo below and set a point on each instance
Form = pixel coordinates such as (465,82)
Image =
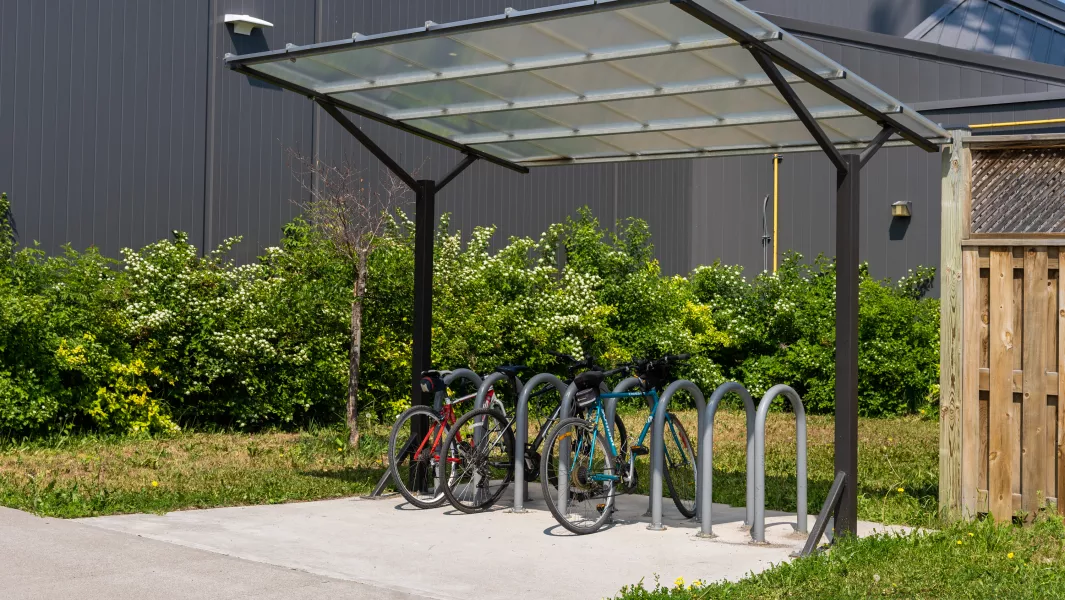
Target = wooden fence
(1003,326)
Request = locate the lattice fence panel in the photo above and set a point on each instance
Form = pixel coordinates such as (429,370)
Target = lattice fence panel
(1018,190)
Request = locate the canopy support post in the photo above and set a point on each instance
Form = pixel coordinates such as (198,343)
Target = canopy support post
(848,198)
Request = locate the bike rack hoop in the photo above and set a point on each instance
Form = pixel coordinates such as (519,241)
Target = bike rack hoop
(521,435)
(706,455)
(758,527)
(658,447)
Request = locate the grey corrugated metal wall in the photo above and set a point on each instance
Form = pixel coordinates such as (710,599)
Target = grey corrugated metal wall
(102,107)
(120,124)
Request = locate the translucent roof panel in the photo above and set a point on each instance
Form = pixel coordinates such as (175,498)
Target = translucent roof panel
(595,81)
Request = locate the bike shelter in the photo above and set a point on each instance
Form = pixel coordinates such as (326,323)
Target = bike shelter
(603,81)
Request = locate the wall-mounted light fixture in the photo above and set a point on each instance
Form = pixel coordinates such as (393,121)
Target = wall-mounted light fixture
(244,24)
(902,209)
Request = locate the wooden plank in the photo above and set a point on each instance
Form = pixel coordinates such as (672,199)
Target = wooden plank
(1050,364)
(1000,410)
(954,183)
(1014,239)
(984,406)
(1033,350)
(970,393)
(1018,380)
(1060,454)
(981,501)
(1018,262)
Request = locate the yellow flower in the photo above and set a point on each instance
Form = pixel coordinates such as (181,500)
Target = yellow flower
(696,583)
(155,484)
(970,534)
(901,490)
(958,542)
(1010,555)
(679,582)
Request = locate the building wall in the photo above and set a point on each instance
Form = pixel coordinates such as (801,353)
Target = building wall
(121,124)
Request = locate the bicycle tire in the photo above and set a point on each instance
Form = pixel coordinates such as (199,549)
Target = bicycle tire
(423,466)
(686,472)
(475,461)
(565,427)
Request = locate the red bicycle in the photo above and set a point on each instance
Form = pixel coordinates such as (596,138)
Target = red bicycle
(413,459)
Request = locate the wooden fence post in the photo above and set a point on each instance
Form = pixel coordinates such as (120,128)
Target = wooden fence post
(954,224)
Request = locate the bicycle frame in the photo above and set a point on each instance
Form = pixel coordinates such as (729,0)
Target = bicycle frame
(601,416)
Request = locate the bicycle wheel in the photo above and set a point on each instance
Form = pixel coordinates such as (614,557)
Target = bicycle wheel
(415,461)
(584,497)
(680,467)
(533,458)
(481,450)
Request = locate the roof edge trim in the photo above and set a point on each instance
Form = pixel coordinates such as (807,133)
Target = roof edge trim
(990,62)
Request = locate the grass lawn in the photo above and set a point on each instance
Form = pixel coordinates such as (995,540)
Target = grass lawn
(93,475)
(972,560)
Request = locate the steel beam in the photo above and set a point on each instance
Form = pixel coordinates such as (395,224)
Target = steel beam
(791,65)
(459,168)
(800,109)
(596,97)
(874,146)
(848,198)
(535,64)
(785,116)
(443,141)
(368,143)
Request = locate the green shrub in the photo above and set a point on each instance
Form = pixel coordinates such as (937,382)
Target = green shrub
(169,336)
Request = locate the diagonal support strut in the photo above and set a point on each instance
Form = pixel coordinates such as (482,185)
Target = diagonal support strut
(368,143)
(800,109)
(875,145)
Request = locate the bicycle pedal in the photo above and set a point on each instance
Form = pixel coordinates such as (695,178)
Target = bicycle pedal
(639,450)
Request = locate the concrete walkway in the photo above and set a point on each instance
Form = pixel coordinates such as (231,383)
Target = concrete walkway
(450,555)
(53,558)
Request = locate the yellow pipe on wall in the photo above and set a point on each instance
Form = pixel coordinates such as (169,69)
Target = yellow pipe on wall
(776,204)
(1017,123)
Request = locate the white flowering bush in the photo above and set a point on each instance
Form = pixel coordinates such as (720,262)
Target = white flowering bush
(784,331)
(171,337)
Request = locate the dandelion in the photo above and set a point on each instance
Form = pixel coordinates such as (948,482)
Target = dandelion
(1010,556)
(679,582)
(696,583)
(155,484)
(970,534)
(901,490)
(958,542)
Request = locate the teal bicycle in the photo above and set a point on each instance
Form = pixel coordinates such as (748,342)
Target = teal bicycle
(583,469)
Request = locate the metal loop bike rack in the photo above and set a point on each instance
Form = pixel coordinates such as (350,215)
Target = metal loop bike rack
(758,527)
(482,393)
(468,375)
(658,447)
(706,455)
(521,436)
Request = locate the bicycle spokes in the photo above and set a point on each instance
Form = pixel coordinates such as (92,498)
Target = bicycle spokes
(482,460)
(582,493)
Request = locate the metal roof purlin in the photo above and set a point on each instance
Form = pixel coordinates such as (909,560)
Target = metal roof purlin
(700,12)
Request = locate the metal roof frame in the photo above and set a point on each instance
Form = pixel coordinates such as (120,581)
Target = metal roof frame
(770,59)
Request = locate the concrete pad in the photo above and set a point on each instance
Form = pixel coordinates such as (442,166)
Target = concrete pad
(53,558)
(494,555)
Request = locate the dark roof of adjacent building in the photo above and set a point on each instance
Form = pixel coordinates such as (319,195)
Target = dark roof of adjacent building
(1031,30)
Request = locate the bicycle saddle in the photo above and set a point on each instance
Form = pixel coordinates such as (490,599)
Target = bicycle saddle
(589,380)
(511,370)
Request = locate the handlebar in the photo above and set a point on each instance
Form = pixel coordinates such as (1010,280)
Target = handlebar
(575,364)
